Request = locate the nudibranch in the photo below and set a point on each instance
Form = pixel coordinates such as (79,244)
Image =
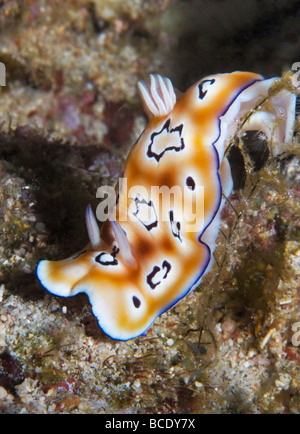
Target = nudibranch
(138,266)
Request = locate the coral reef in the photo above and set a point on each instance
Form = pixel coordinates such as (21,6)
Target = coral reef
(69,114)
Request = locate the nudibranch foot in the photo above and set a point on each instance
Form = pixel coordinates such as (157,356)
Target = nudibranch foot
(178,176)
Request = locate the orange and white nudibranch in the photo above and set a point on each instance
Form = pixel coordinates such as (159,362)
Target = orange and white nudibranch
(138,266)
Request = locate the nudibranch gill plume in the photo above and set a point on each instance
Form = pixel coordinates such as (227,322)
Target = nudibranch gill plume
(148,256)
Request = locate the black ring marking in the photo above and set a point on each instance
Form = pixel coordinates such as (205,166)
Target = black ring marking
(151,275)
(155,137)
(136,301)
(200,86)
(115,251)
(190,182)
(165,266)
(109,261)
(138,203)
(175,226)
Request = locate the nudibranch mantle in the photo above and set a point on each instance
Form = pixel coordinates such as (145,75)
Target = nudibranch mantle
(138,266)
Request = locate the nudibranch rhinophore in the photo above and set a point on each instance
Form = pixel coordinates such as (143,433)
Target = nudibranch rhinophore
(138,266)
